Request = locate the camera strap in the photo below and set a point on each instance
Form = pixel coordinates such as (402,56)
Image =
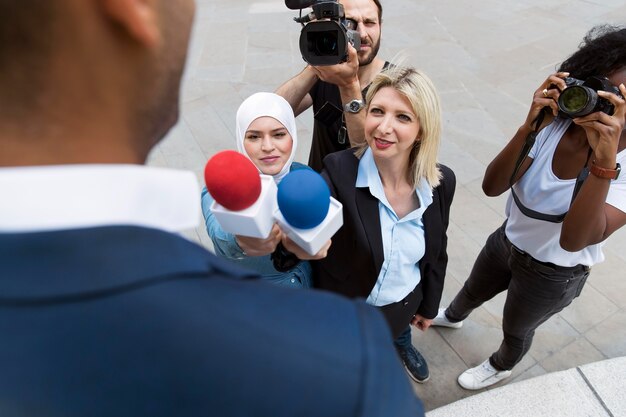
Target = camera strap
(528,144)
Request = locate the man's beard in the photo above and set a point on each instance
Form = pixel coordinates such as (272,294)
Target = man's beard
(370,57)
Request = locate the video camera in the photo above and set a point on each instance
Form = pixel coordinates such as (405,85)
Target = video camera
(580,98)
(326,33)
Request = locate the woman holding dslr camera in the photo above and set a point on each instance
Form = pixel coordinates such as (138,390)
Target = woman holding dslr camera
(567,197)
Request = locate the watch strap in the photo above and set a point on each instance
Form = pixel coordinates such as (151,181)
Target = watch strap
(609,174)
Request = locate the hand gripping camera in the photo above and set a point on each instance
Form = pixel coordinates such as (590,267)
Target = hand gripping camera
(326,33)
(580,98)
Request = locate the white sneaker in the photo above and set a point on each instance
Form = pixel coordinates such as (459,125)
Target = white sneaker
(482,376)
(442,320)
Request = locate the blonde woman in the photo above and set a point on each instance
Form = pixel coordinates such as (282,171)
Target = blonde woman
(391,249)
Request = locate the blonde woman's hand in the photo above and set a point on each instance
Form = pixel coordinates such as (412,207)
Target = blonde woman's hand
(253,246)
(292,247)
(421,322)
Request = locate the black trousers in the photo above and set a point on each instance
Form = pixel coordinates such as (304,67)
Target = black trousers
(535,292)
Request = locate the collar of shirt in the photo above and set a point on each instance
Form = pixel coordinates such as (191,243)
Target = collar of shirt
(44,198)
(368,176)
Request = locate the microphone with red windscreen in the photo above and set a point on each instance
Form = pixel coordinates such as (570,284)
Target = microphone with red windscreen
(245,200)
(306,211)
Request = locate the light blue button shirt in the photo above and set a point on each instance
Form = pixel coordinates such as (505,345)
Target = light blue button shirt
(403,239)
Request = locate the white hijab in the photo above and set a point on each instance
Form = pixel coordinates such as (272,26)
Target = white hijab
(272,105)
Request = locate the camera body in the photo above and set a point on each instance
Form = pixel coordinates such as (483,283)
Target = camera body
(326,33)
(580,98)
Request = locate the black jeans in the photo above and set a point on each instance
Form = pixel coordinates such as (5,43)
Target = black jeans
(536,291)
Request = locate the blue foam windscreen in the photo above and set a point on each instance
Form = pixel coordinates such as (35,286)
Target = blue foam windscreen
(303,198)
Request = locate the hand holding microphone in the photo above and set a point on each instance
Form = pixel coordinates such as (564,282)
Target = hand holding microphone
(255,246)
(248,203)
(300,253)
(307,214)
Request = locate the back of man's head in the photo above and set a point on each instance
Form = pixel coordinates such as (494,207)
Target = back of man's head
(90,80)
(26,39)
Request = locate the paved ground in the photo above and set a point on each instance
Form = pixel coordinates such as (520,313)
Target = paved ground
(486,58)
(595,389)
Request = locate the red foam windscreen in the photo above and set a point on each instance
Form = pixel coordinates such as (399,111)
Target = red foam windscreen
(232,180)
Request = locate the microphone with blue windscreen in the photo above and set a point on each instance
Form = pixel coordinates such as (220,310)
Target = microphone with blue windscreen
(306,211)
(303,198)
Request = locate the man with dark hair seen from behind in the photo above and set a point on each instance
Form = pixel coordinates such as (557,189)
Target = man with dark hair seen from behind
(337,94)
(105,311)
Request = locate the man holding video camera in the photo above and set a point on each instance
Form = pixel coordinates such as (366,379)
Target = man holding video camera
(337,93)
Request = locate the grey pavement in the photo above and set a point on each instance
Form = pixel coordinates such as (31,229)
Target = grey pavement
(486,59)
(596,389)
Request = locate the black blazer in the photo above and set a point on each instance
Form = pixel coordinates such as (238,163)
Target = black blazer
(356,254)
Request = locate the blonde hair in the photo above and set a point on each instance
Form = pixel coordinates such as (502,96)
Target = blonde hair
(425,103)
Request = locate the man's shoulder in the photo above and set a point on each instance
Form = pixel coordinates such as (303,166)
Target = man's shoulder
(110,255)
(198,322)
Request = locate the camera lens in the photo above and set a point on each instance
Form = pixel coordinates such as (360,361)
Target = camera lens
(574,99)
(324,43)
(577,101)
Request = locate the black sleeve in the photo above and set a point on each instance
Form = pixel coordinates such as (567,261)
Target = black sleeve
(432,286)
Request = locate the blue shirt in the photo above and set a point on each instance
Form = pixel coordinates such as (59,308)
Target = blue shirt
(403,239)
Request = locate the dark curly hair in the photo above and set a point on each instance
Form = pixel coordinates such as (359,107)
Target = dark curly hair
(602,52)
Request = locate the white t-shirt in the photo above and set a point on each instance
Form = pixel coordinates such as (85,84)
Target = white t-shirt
(541,190)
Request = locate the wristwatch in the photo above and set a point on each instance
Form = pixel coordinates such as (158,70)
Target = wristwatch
(609,174)
(354,106)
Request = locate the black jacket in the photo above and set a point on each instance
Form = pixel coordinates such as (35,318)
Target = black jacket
(356,254)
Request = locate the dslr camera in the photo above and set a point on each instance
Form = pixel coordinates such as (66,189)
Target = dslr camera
(326,32)
(580,98)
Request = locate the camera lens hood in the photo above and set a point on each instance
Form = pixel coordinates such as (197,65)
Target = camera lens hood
(324,42)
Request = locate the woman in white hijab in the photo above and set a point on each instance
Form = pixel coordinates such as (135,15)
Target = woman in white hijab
(266,134)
